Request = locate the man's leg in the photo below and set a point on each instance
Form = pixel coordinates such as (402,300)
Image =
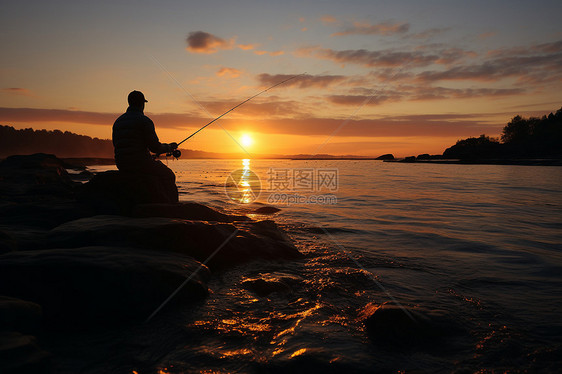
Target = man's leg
(168,179)
(161,170)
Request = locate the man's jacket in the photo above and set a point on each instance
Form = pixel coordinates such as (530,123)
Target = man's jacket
(133,137)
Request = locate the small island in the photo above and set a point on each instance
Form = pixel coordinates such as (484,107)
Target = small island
(524,141)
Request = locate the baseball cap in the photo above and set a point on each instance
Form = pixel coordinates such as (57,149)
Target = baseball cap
(136,97)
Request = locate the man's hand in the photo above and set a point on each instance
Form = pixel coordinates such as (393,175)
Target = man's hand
(173,146)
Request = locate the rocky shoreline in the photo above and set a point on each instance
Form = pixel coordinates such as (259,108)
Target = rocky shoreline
(74,257)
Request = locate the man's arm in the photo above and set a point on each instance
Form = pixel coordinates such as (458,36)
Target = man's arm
(152,140)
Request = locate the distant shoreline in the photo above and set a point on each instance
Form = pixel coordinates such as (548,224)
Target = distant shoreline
(524,162)
(82,162)
(86,161)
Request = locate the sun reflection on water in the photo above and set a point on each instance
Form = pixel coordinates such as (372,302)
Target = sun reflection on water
(243,185)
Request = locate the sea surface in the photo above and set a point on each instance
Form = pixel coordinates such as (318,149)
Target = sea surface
(480,245)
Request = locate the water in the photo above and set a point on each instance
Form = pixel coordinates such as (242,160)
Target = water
(481,244)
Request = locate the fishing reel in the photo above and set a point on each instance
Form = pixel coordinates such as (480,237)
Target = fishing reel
(176,153)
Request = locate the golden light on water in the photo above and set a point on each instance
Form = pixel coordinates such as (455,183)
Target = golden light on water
(243,185)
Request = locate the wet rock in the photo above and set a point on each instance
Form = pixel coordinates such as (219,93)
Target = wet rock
(36,177)
(267,210)
(7,242)
(269,229)
(19,315)
(83,176)
(114,192)
(396,326)
(20,354)
(387,156)
(194,238)
(265,284)
(44,214)
(99,285)
(19,238)
(185,210)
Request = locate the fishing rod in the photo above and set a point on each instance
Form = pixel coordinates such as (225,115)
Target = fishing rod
(177,153)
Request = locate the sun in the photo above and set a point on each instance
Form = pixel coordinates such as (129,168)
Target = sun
(246,140)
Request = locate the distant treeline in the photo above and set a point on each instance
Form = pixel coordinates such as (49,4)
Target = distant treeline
(61,144)
(521,138)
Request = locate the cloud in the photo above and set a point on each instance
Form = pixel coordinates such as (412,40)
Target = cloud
(269,108)
(428,34)
(228,72)
(273,53)
(53,115)
(385,58)
(32,115)
(373,97)
(360,100)
(533,64)
(305,81)
(247,47)
(17,91)
(422,126)
(385,29)
(432,125)
(328,19)
(202,42)
(486,35)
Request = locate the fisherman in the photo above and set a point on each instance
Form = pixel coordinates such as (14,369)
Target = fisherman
(134,137)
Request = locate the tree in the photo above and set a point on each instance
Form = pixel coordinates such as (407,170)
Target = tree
(516,131)
(475,148)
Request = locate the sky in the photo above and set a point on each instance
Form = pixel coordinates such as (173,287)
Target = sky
(401,77)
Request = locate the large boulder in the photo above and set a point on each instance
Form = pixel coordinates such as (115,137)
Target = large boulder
(34,177)
(20,354)
(95,286)
(19,315)
(262,240)
(268,283)
(42,214)
(115,192)
(185,210)
(397,326)
(386,156)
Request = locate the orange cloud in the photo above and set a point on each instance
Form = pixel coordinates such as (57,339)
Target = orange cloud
(328,19)
(384,29)
(436,125)
(486,35)
(228,72)
(247,47)
(17,91)
(274,53)
(202,42)
(360,100)
(305,81)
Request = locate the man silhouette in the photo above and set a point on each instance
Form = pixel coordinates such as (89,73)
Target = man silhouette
(134,137)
